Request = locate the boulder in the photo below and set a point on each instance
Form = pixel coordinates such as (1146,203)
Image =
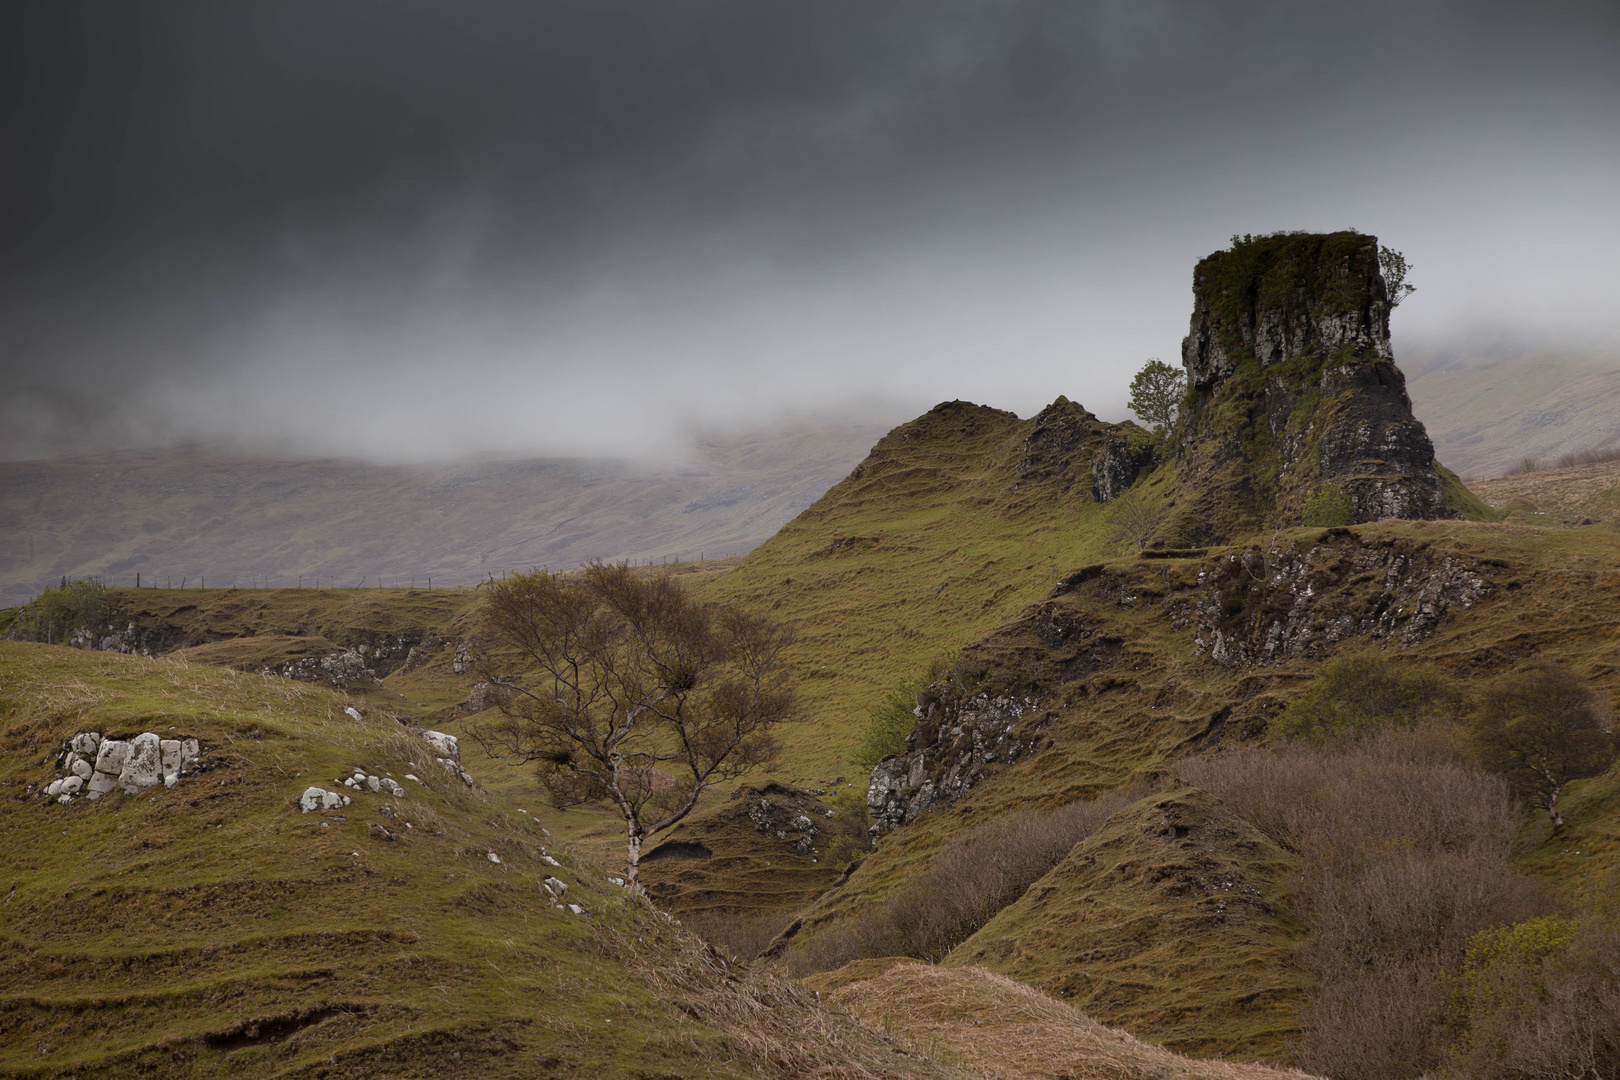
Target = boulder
(81,768)
(352,711)
(110,756)
(392,787)
(190,751)
(171,760)
(85,744)
(143,767)
(71,784)
(374,783)
(446,746)
(99,785)
(556,887)
(320,799)
(55,787)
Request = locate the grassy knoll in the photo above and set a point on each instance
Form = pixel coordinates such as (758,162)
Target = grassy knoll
(214,929)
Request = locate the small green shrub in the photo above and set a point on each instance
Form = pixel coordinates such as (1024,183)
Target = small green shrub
(1355,695)
(1329,508)
(56,613)
(892,719)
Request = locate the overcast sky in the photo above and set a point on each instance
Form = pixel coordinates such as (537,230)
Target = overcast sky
(404,229)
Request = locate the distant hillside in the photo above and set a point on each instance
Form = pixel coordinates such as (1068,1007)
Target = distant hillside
(1487,410)
(187,513)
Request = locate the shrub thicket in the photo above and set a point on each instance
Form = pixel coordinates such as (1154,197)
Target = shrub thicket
(890,721)
(1405,848)
(1538,999)
(976,875)
(56,613)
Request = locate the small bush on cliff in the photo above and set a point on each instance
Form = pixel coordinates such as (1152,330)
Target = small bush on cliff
(889,722)
(1329,508)
(56,613)
(1356,695)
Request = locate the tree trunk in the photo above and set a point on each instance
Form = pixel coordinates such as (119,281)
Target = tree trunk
(631,881)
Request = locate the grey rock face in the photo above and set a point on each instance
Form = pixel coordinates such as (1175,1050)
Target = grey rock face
(949,751)
(1116,467)
(1259,608)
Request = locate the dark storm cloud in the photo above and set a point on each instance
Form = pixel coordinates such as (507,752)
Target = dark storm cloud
(411,228)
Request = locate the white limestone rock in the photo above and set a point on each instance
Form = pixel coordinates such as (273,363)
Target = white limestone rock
(170,749)
(111,755)
(494,858)
(55,788)
(85,744)
(100,784)
(190,751)
(143,768)
(576,909)
(549,861)
(315,798)
(446,746)
(392,787)
(556,887)
(81,768)
(352,711)
(374,783)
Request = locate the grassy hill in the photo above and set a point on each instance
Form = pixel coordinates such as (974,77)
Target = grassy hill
(213,928)
(180,515)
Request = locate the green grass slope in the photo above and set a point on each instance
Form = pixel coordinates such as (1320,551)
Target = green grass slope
(1123,692)
(214,929)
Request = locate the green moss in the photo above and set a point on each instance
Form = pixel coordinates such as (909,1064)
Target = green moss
(1463,501)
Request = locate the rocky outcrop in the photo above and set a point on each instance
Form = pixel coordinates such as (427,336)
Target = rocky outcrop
(1284,297)
(1259,607)
(950,750)
(1116,466)
(784,813)
(1295,394)
(95,766)
(342,669)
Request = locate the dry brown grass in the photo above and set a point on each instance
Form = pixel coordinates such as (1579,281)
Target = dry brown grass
(775,1028)
(990,1026)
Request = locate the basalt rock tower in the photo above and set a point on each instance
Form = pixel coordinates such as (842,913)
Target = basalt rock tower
(1293,394)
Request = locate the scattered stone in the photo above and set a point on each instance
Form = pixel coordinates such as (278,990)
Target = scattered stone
(576,909)
(389,812)
(549,861)
(556,887)
(413,776)
(494,858)
(382,832)
(619,881)
(352,711)
(390,786)
(374,784)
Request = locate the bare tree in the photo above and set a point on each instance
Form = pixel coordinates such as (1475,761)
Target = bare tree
(631,691)
(1133,519)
